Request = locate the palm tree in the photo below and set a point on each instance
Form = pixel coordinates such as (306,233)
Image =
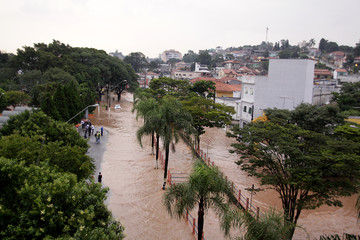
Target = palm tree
(149,109)
(269,225)
(172,119)
(206,188)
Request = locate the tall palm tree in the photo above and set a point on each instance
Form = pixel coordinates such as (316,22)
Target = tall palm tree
(206,188)
(172,119)
(149,109)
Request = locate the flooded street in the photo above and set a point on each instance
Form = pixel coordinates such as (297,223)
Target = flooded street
(135,185)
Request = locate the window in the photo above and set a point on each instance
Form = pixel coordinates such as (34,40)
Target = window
(244,108)
(246,90)
(250,110)
(251,91)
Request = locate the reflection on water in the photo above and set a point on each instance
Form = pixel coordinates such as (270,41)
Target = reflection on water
(135,184)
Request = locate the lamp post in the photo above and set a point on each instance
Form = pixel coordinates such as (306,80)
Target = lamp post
(86,113)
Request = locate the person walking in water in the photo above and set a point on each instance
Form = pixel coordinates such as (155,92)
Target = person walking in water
(97,137)
(102,130)
(99,177)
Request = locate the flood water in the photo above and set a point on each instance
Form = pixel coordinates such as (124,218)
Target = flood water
(135,185)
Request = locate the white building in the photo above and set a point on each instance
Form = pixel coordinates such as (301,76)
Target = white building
(168,54)
(289,83)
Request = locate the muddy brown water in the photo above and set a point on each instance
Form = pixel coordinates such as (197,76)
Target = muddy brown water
(135,185)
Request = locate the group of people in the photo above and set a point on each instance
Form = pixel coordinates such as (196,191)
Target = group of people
(89,129)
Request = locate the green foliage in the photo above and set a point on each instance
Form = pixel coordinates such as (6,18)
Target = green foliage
(206,113)
(167,86)
(291,154)
(349,96)
(206,188)
(205,89)
(204,58)
(190,57)
(268,226)
(16,98)
(285,54)
(3,100)
(37,202)
(137,60)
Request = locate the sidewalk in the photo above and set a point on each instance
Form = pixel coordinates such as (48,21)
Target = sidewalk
(96,151)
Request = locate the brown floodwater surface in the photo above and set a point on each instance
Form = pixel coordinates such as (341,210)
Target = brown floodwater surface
(135,185)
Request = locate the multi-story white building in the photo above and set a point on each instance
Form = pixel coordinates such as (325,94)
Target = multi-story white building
(168,54)
(289,83)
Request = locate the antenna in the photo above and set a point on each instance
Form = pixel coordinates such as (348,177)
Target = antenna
(267,29)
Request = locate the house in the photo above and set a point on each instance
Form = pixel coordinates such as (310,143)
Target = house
(185,75)
(231,64)
(227,73)
(230,80)
(340,72)
(337,58)
(322,74)
(146,77)
(168,54)
(357,60)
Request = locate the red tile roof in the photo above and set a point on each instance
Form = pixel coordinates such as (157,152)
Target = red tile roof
(341,70)
(227,87)
(322,72)
(202,78)
(337,53)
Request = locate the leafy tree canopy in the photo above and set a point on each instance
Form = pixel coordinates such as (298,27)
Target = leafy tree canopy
(37,202)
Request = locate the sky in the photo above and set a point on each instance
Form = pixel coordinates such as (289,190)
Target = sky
(152,26)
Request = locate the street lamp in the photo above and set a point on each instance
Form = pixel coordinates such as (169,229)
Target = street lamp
(95,105)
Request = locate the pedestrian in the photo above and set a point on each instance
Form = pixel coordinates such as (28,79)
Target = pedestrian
(99,177)
(89,129)
(92,129)
(102,130)
(97,136)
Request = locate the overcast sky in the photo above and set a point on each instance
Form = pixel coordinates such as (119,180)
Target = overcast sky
(152,26)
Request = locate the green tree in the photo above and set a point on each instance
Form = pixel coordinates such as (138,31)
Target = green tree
(269,225)
(190,57)
(206,188)
(205,89)
(285,54)
(206,113)
(137,60)
(16,98)
(38,202)
(172,120)
(204,58)
(167,86)
(306,168)
(3,100)
(357,51)
(323,45)
(349,96)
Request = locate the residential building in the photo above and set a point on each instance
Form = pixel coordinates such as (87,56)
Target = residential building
(146,77)
(185,75)
(337,58)
(322,74)
(227,73)
(168,54)
(339,72)
(289,83)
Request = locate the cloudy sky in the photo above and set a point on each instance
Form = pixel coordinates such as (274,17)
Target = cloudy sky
(152,26)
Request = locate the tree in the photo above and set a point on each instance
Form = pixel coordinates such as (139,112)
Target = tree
(172,120)
(190,57)
(323,45)
(204,58)
(206,113)
(167,86)
(306,168)
(3,100)
(37,202)
(269,225)
(16,98)
(149,109)
(349,96)
(137,60)
(285,54)
(204,89)
(357,51)
(206,188)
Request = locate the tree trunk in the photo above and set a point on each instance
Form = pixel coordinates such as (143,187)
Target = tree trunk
(157,149)
(152,142)
(200,219)
(167,146)
(198,141)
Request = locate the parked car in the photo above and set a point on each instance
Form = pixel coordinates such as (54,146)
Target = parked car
(117,106)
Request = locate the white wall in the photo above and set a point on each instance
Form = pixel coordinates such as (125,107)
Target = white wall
(289,83)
